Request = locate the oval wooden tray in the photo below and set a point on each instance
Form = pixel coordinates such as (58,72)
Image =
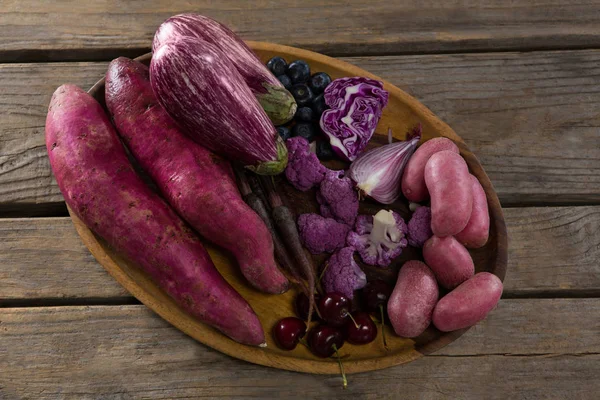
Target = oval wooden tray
(402,112)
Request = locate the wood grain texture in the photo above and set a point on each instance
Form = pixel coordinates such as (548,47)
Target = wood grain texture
(553,251)
(539,140)
(61,30)
(43,258)
(127,352)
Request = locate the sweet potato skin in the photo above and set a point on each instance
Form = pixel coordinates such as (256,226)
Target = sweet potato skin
(101,187)
(197,183)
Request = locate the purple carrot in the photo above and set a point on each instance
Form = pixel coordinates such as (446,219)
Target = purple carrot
(254,201)
(286,224)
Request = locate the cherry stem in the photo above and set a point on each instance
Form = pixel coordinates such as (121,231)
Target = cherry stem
(304,342)
(383,327)
(339,360)
(353,320)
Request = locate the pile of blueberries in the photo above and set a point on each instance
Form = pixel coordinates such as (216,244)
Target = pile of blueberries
(308,91)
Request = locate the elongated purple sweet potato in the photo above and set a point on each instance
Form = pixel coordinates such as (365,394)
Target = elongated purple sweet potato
(198,184)
(101,187)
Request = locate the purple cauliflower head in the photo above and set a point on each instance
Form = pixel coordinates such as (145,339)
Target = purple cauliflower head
(320,234)
(356,104)
(304,170)
(379,238)
(419,227)
(337,198)
(342,273)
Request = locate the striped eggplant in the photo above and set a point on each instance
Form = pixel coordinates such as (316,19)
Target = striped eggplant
(196,84)
(277,102)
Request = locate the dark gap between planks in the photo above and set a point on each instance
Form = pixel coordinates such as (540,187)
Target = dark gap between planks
(66,302)
(126,300)
(360,50)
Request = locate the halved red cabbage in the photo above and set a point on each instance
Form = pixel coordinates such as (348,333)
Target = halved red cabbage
(356,105)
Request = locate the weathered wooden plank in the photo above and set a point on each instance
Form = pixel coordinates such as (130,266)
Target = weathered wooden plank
(44,258)
(127,352)
(59,30)
(553,251)
(531,118)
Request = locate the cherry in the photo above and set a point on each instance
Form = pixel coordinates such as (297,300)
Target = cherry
(377,293)
(288,331)
(323,340)
(302,304)
(335,308)
(362,330)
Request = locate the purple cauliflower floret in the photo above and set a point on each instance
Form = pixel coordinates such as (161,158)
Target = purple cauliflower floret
(320,234)
(356,105)
(304,170)
(342,273)
(419,227)
(379,238)
(337,198)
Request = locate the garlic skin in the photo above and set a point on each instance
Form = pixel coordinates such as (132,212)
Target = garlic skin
(378,172)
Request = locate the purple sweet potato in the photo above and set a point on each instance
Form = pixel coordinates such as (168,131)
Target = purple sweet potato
(198,184)
(102,189)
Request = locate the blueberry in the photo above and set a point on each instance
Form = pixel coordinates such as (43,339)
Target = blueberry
(324,150)
(298,71)
(285,81)
(277,66)
(318,82)
(302,94)
(304,114)
(284,132)
(306,130)
(318,105)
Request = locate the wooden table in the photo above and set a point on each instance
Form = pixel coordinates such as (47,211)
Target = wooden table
(519,81)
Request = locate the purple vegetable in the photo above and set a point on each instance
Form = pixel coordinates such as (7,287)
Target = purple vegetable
(380,238)
(378,172)
(205,94)
(338,198)
(277,102)
(356,106)
(320,234)
(342,274)
(304,170)
(419,227)
(104,191)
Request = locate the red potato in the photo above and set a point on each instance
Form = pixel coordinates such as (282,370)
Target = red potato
(101,187)
(469,303)
(198,184)
(449,183)
(413,178)
(411,304)
(477,231)
(449,260)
